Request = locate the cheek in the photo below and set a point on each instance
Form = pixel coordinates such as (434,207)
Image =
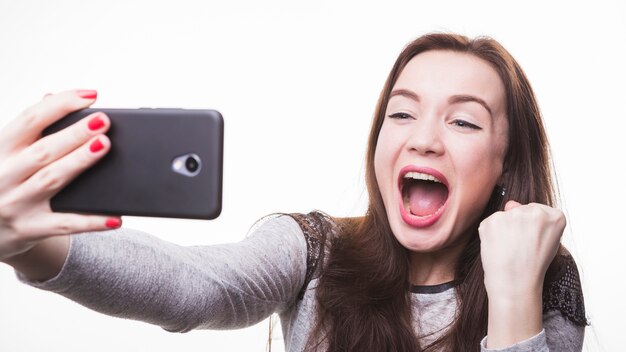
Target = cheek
(481,169)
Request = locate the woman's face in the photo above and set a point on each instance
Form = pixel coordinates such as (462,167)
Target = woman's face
(441,148)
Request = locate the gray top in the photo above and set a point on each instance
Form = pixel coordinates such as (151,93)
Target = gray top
(129,274)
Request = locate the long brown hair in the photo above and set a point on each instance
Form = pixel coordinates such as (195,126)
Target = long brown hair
(363,294)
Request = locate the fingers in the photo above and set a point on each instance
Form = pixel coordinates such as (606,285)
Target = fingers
(57,224)
(27,127)
(538,210)
(511,204)
(52,147)
(52,178)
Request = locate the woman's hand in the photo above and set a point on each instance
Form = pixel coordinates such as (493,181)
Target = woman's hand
(33,169)
(517,246)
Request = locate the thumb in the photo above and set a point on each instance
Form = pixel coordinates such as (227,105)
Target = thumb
(510,205)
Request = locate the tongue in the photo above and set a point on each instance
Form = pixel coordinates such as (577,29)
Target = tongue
(426,197)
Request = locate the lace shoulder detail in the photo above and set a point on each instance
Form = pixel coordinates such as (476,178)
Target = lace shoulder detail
(318,228)
(563,292)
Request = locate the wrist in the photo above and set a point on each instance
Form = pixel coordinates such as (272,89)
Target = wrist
(44,260)
(513,289)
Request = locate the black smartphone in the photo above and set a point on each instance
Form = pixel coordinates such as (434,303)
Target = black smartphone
(162,163)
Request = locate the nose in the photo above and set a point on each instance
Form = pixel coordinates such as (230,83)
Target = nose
(426,138)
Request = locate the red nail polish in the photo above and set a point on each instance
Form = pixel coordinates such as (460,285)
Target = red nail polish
(95,123)
(113,223)
(87,93)
(96,146)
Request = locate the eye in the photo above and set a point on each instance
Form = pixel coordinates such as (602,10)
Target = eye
(400,116)
(465,124)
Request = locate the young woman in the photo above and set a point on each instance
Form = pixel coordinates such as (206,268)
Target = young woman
(459,249)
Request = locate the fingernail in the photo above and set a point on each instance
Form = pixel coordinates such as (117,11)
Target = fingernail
(95,123)
(113,223)
(96,146)
(87,93)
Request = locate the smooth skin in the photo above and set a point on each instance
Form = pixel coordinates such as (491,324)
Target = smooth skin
(459,138)
(426,126)
(517,246)
(33,239)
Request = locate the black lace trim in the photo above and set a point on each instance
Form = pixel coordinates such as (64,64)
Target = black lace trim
(316,226)
(562,289)
(563,292)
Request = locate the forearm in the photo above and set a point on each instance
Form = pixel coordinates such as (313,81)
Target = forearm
(514,318)
(559,334)
(44,261)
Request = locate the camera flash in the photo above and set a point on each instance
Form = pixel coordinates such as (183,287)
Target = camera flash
(178,164)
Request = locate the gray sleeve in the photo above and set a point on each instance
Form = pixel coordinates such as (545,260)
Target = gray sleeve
(129,274)
(559,334)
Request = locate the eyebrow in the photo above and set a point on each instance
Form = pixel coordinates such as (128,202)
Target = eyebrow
(455,99)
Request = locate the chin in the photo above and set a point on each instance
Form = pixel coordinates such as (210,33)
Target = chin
(431,239)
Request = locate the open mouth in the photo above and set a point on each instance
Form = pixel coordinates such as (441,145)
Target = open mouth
(424,193)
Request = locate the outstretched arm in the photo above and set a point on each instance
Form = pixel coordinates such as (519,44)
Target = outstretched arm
(129,274)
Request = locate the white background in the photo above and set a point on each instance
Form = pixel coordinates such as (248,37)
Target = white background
(297,83)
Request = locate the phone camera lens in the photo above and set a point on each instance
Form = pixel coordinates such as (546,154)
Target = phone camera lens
(191,164)
(187,164)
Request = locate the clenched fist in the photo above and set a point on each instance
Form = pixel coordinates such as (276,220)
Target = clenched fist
(517,246)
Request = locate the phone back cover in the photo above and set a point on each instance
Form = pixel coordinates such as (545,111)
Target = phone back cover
(136,176)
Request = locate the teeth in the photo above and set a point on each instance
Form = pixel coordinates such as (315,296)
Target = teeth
(421,176)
